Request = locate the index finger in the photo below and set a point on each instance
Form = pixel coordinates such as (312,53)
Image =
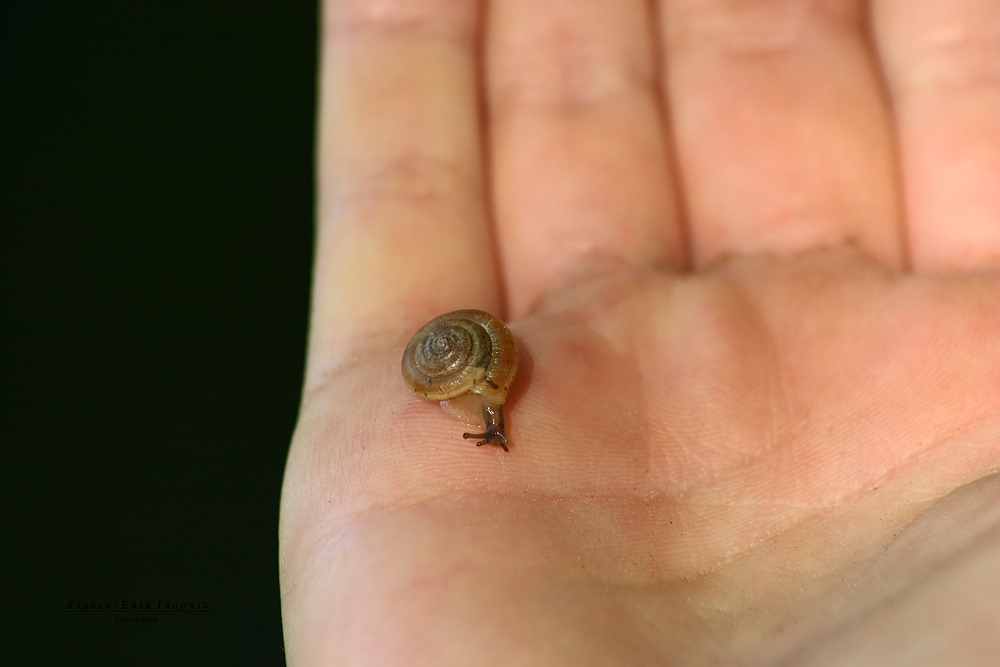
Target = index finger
(402,228)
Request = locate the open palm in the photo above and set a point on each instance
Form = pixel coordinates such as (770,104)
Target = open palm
(751,384)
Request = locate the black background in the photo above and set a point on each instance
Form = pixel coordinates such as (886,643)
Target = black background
(157,204)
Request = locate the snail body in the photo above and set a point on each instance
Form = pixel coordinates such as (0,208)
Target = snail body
(467,359)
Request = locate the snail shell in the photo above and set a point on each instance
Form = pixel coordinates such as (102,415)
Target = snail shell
(466,359)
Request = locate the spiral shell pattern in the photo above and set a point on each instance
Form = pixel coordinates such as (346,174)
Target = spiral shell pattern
(460,352)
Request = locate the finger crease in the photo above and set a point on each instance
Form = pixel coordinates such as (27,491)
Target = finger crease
(417,180)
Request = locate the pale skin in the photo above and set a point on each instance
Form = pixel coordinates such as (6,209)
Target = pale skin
(749,251)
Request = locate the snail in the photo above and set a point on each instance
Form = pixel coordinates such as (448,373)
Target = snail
(466,359)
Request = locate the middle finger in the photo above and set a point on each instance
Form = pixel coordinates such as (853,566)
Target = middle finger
(582,183)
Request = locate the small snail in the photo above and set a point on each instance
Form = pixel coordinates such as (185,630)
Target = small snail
(467,360)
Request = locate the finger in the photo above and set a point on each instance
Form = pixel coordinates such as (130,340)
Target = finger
(783,135)
(402,229)
(581,179)
(942,64)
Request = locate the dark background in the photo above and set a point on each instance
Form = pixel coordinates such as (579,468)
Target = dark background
(156,212)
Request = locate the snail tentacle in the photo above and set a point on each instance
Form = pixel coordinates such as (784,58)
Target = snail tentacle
(494,427)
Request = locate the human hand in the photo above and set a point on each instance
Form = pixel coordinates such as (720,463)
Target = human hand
(752,384)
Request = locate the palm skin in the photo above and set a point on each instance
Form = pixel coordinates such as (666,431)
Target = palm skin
(694,461)
(726,465)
